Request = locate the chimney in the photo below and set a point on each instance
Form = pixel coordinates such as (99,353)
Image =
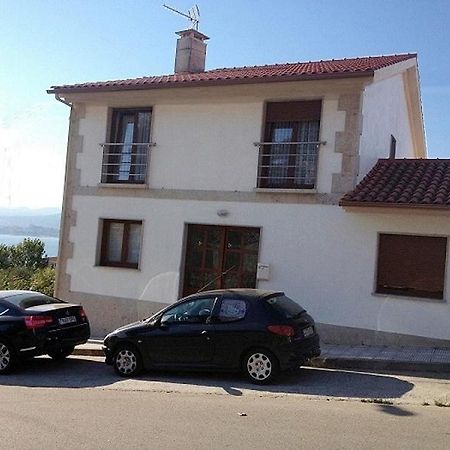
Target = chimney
(191,52)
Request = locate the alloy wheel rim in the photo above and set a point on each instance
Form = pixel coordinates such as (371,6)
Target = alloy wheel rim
(5,357)
(259,366)
(126,362)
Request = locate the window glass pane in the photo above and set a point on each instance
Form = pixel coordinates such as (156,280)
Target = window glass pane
(115,239)
(134,243)
(285,306)
(126,149)
(232,309)
(195,311)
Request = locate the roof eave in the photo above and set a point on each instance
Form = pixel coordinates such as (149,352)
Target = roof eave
(207,83)
(353,204)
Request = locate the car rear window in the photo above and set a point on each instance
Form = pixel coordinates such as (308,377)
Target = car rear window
(26,300)
(285,306)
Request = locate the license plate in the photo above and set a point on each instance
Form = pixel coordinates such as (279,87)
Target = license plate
(66,320)
(309,331)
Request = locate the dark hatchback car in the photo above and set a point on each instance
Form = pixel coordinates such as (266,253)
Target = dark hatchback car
(253,331)
(33,324)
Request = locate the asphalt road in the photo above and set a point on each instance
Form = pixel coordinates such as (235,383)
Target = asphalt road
(82,404)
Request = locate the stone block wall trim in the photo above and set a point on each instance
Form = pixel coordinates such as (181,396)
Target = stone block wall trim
(68,215)
(347,143)
(211,196)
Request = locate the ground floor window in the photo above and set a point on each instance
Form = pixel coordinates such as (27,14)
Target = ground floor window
(121,243)
(412,266)
(220,257)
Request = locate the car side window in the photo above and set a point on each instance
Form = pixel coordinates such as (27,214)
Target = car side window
(194,311)
(232,309)
(3,310)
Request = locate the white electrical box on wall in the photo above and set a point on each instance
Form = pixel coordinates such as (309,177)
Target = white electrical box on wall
(263,271)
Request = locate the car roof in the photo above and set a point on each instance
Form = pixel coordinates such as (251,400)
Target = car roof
(6,294)
(242,292)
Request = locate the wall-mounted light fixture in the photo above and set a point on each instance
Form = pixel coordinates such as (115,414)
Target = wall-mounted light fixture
(223,212)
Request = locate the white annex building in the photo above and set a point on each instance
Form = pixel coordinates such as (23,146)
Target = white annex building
(310,178)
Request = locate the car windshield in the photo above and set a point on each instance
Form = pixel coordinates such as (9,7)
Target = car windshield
(285,306)
(27,300)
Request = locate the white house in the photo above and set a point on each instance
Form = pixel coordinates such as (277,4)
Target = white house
(236,178)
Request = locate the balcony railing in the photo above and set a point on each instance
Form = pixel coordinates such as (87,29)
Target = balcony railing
(125,162)
(288,165)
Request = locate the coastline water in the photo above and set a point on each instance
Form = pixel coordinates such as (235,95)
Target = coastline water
(51,243)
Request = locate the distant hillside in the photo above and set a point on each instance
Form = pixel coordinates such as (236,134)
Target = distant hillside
(30,225)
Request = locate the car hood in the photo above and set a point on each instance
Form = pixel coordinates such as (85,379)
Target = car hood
(130,327)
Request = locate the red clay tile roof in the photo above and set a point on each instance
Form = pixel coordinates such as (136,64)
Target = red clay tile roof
(335,68)
(409,183)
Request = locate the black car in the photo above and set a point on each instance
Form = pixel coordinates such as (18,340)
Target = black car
(257,332)
(33,324)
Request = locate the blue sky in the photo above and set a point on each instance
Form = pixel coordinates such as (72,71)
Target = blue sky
(48,42)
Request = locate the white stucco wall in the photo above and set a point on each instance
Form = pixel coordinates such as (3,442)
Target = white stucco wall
(204,140)
(320,255)
(384,113)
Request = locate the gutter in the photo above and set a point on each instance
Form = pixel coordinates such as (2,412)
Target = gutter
(60,99)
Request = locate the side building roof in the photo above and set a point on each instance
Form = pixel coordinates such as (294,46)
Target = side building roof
(405,183)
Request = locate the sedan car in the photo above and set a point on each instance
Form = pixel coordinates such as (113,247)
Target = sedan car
(33,324)
(257,332)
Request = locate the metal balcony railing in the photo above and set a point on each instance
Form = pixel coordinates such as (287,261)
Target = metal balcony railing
(125,162)
(288,165)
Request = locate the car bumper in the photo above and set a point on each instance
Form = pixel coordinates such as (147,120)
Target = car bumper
(45,341)
(298,352)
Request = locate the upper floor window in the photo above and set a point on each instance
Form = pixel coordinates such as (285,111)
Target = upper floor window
(125,157)
(288,157)
(121,243)
(412,266)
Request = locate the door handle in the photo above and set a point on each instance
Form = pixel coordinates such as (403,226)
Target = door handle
(205,334)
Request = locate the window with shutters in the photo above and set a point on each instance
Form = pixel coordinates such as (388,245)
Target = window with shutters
(412,266)
(289,154)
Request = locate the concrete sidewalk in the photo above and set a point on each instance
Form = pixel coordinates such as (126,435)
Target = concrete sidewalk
(352,357)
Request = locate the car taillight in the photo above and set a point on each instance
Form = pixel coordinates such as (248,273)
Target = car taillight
(82,313)
(33,322)
(282,330)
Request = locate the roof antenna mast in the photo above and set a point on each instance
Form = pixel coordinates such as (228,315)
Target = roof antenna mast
(193,15)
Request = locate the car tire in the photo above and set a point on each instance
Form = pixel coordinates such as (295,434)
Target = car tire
(7,358)
(260,366)
(127,361)
(61,353)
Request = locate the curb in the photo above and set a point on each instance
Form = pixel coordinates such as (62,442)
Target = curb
(377,364)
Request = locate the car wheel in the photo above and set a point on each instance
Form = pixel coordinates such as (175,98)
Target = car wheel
(260,366)
(7,359)
(127,361)
(61,353)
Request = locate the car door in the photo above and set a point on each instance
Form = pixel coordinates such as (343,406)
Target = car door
(184,335)
(232,331)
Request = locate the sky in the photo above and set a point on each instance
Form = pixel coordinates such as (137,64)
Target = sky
(53,42)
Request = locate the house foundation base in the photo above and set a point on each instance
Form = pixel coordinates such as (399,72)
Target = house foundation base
(340,335)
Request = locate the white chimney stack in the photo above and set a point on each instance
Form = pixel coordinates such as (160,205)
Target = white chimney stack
(191,52)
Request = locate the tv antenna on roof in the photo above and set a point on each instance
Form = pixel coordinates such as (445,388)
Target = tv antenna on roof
(193,15)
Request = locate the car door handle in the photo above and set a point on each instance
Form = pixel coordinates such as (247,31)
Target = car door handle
(205,333)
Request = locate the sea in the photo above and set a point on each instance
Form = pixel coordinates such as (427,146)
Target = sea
(51,243)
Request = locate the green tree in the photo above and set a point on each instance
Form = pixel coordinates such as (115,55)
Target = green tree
(23,266)
(43,280)
(5,256)
(29,253)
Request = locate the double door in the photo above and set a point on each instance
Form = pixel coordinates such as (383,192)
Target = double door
(220,257)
